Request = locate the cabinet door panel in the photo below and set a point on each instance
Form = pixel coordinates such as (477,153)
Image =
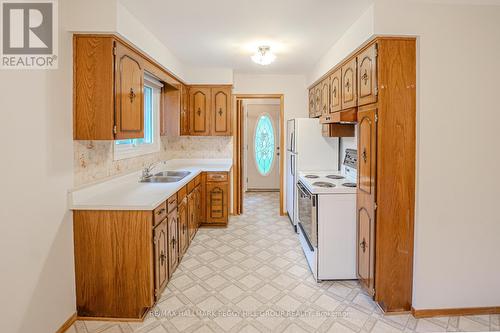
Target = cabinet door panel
(367,158)
(160,245)
(311,103)
(129,94)
(335,91)
(199,115)
(184,118)
(217,202)
(349,99)
(183,227)
(173,243)
(367,76)
(221,111)
(325,97)
(317,101)
(191,215)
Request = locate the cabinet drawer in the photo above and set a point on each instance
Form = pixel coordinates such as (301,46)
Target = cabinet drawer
(197,180)
(190,186)
(217,177)
(181,194)
(160,213)
(172,203)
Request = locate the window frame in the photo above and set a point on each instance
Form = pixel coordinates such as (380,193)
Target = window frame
(130,150)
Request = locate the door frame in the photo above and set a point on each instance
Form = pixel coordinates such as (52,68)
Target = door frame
(238,155)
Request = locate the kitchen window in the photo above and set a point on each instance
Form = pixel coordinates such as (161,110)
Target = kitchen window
(150,143)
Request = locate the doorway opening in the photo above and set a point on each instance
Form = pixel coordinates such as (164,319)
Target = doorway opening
(258,142)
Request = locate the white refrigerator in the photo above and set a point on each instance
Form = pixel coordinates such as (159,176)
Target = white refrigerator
(306,150)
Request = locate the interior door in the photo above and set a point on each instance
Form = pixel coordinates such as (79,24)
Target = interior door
(367,157)
(262,142)
(129,82)
(221,115)
(199,115)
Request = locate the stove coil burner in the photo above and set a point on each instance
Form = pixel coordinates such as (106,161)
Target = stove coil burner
(311,176)
(323,184)
(334,177)
(349,184)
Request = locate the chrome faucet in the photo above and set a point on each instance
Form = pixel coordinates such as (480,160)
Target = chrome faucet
(146,172)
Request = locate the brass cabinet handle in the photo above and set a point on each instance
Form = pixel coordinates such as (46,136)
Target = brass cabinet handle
(198,112)
(363,245)
(335,92)
(173,243)
(220,112)
(163,257)
(131,95)
(161,211)
(347,85)
(364,77)
(363,154)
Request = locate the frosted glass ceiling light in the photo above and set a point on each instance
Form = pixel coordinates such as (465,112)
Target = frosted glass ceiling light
(263,56)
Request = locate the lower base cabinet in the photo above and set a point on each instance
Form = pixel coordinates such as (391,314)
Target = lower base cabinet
(124,259)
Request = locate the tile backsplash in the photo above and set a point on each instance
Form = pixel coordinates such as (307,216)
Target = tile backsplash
(93,160)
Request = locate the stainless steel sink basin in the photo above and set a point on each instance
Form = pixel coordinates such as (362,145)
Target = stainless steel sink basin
(166,177)
(180,174)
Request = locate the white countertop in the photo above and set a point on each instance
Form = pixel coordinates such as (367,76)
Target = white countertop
(127,193)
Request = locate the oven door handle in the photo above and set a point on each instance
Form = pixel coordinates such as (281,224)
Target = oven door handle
(304,191)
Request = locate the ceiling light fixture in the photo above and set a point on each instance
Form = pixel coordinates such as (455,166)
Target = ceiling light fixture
(264,56)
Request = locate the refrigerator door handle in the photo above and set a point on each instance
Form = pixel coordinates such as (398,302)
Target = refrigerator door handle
(292,166)
(292,142)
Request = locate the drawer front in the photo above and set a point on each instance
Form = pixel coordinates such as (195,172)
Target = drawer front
(160,213)
(217,177)
(172,203)
(181,194)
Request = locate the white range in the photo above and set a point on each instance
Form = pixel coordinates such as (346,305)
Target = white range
(327,220)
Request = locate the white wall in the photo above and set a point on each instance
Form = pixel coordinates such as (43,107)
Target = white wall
(361,30)
(457,229)
(36,239)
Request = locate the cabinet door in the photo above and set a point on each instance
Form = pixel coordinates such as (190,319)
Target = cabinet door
(325,97)
(335,91)
(183,227)
(198,206)
(367,76)
(311,103)
(191,215)
(317,101)
(221,111)
(349,99)
(366,197)
(160,245)
(129,95)
(199,111)
(217,202)
(184,118)
(173,244)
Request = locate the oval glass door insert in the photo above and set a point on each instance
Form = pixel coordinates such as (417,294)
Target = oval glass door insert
(264,144)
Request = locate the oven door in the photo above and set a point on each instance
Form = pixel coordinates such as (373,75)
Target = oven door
(308,215)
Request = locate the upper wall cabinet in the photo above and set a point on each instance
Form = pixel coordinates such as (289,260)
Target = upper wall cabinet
(335,91)
(367,76)
(209,111)
(325,97)
(349,99)
(108,90)
(199,111)
(221,115)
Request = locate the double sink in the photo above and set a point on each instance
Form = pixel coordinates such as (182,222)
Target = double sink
(166,177)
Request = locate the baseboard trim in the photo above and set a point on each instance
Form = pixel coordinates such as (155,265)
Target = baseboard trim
(67,324)
(425,313)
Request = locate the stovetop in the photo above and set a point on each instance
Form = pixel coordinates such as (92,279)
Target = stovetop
(327,182)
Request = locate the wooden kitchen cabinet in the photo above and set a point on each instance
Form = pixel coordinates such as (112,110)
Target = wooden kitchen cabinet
(217,198)
(349,85)
(367,76)
(173,242)
(317,101)
(367,159)
(209,111)
(311,103)
(182,211)
(325,97)
(160,246)
(191,204)
(335,91)
(184,112)
(199,110)
(221,111)
(108,90)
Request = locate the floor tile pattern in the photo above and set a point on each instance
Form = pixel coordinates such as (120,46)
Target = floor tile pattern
(253,277)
